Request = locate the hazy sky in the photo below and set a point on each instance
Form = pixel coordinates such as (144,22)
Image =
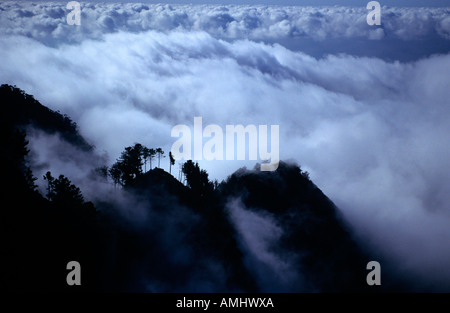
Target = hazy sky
(399,3)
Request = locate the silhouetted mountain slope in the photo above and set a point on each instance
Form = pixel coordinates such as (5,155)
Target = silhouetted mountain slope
(256,231)
(20,109)
(204,234)
(156,185)
(312,227)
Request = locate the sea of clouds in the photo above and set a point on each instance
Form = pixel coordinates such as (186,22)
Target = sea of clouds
(47,21)
(364,109)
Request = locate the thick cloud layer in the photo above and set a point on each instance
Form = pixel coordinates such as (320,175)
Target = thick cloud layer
(373,133)
(316,30)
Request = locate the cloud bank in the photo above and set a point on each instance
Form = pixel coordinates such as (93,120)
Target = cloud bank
(293,26)
(372,132)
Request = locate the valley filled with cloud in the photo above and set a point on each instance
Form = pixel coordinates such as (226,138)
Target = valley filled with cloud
(364,109)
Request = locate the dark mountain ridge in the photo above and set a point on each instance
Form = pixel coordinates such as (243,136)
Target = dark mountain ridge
(185,240)
(20,110)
